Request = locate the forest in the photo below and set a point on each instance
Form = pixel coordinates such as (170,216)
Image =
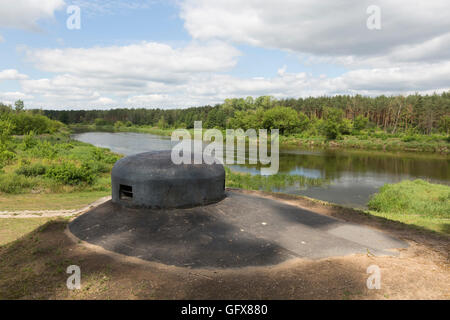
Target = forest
(331,116)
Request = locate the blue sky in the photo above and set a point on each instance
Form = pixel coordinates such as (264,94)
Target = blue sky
(193,52)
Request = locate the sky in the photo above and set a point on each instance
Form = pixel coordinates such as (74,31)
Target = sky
(182,53)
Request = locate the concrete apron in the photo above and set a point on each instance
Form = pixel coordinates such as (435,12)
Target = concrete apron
(241,230)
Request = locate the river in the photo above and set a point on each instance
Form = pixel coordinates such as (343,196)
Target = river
(352,175)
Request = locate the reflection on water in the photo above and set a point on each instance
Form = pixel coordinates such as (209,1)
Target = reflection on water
(354,175)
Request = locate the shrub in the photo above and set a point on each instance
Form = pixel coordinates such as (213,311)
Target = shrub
(100,122)
(96,166)
(25,122)
(29,140)
(283,118)
(346,127)
(335,125)
(99,154)
(69,173)
(118,125)
(13,183)
(32,170)
(409,138)
(247,119)
(360,123)
(6,151)
(5,157)
(44,149)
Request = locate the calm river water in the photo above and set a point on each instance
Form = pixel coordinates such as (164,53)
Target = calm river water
(353,175)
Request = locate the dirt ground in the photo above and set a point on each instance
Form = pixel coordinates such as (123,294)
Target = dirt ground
(34,267)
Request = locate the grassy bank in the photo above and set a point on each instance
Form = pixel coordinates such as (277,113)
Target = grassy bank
(55,164)
(268,183)
(376,140)
(418,203)
(50,201)
(12,229)
(52,171)
(109,128)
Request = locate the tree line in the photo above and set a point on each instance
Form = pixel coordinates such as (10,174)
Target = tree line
(425,114)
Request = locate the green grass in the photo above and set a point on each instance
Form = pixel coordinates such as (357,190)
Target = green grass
(55,164)
(12,229)
(418,203)
(54,172)
(134,128)
(384,142)
(268,183)
(49,201)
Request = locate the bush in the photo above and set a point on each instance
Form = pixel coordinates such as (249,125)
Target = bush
(69,173)
(6,151)
(96,166)
(29,140)
(13,183)
(251,119)
(409,138)
(44,149)
(103,155)
(32,170)
(335,125)
(346,127)
(118,125)
(25,122)
(100,122)
(360,123)
(283,118)
(5,157)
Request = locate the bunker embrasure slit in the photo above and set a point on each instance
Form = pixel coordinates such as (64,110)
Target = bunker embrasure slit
(126,192)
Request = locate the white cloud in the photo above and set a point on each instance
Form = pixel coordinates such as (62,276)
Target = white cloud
(12,74)
(327,27)
(11,97)
(24,14)
(410,53)
(148,61)
(210,88)
(410,78)
(133,74)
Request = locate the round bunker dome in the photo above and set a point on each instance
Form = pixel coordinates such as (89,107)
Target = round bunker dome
(152,180)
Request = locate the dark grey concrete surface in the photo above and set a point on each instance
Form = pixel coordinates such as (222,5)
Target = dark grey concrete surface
(241,230)
(152,180)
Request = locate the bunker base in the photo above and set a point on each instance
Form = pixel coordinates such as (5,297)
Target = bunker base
(241,230)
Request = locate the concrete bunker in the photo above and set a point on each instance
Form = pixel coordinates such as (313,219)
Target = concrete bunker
(152,180)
